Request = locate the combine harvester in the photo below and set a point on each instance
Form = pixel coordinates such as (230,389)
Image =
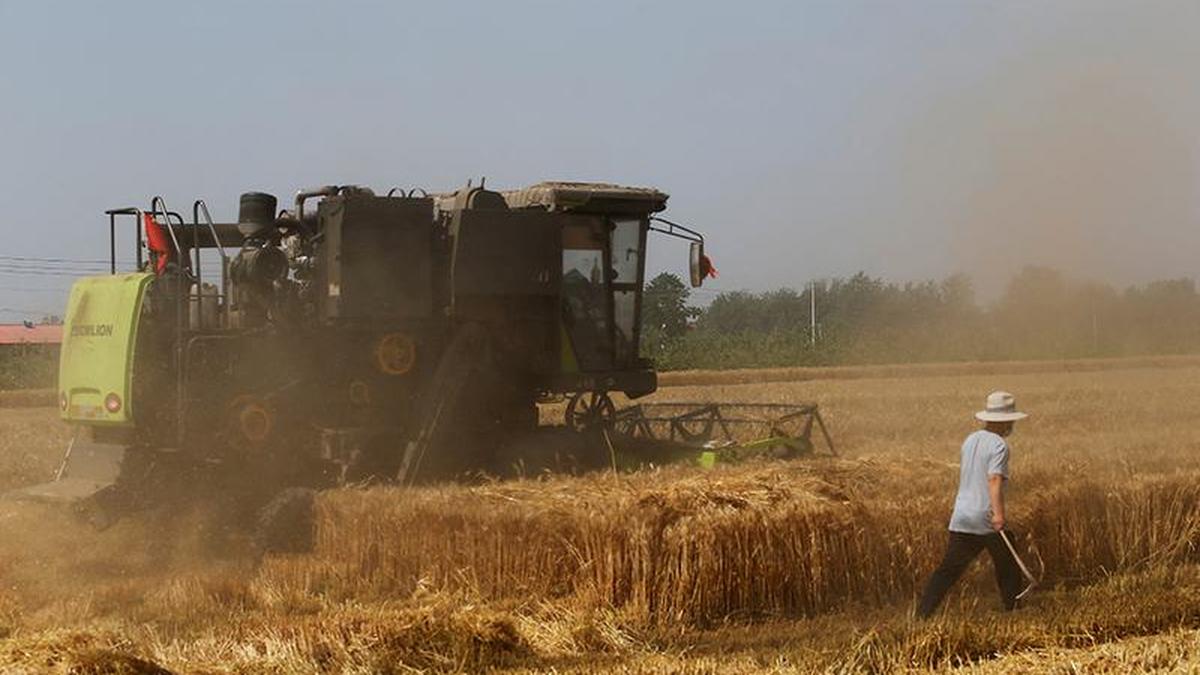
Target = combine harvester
(402,337)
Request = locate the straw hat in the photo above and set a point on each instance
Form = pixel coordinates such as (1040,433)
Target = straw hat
(1001,407)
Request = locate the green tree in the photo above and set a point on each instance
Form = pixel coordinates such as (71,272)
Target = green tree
(664,308)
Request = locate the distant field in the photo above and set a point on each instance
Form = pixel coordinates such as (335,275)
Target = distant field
(764,567)
(46,397)
(918,370)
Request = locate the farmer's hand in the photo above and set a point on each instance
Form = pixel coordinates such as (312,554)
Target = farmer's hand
(997,521)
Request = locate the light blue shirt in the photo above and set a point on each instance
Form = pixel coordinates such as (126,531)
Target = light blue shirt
(983,454)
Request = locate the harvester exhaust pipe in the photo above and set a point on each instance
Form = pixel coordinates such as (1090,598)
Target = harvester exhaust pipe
(303,195)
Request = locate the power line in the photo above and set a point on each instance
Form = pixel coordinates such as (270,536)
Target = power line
(51,272)
(12,289)
(25,258)
(55,268)
(10,310)
(47,273)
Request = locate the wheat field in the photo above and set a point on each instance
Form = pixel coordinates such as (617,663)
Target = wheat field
(789,567)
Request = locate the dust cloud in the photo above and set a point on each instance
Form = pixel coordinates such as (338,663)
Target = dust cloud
(1070,157)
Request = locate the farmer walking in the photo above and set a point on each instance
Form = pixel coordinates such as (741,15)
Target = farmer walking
(979,508)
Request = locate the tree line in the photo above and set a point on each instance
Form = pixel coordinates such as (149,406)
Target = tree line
(1042,314)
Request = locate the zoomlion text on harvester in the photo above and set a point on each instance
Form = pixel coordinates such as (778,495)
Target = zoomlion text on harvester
(405,337)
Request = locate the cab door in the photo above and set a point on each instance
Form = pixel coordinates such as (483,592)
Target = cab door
(627,264)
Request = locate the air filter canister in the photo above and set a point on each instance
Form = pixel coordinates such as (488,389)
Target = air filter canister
(256,213)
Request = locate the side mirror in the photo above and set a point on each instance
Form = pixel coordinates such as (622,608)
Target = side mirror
(695,258)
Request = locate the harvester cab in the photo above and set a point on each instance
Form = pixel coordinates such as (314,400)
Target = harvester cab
(353,336)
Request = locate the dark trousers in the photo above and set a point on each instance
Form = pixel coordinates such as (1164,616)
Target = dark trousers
(961,550)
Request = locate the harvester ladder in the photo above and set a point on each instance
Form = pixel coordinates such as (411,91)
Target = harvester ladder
(441,398)
(180,309)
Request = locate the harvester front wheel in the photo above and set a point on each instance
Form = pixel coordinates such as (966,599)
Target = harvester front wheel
(588,410)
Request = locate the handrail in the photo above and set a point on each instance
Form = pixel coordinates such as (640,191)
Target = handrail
(198,207)
(676,230)
(112,234)
(154,206)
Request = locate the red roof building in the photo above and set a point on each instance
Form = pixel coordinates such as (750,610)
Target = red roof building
(18,334)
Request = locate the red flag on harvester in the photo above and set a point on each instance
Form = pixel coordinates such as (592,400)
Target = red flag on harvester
(157,242)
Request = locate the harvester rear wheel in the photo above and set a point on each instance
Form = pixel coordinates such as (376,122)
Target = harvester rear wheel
(588,410)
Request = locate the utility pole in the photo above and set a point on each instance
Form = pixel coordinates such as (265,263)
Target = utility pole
(812,314)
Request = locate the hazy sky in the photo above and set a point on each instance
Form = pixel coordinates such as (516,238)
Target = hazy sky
(806,139)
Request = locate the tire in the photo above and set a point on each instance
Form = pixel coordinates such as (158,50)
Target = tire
(588,410)
(287,524)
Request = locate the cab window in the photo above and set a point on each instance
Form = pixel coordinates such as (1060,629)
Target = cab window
(585,300)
